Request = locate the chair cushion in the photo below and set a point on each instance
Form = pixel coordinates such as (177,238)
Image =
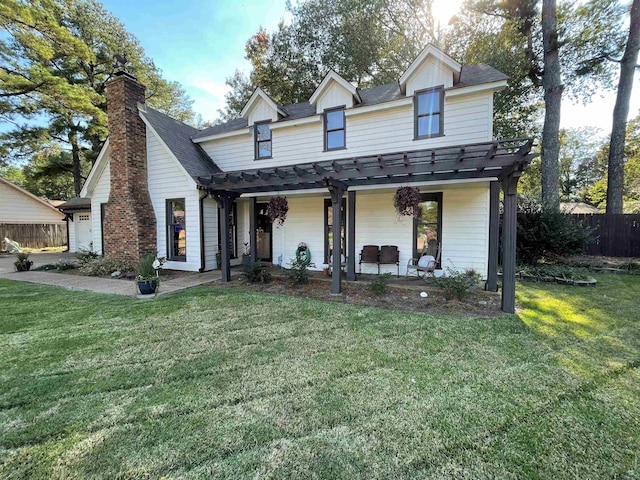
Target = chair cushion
(425,261)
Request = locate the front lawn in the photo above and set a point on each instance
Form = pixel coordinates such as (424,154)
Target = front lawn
(218,383)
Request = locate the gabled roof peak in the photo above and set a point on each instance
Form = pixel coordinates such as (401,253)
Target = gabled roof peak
(433,51)
(333,76)
(260,94)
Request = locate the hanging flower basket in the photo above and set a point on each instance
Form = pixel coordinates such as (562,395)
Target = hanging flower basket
(277,209)
(407,201)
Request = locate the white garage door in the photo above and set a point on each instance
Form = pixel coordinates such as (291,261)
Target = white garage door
(83,231)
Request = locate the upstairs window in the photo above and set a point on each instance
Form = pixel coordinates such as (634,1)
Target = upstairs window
(263,140)
(429,108)
(334,129)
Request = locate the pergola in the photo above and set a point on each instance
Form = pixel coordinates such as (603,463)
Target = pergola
(501,162)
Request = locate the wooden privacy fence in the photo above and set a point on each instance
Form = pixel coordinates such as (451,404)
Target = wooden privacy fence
(614,235)
(39,235)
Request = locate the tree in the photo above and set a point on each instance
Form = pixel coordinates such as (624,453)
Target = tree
(563,46)
(55,58)
(628,64)
(596,194)
(366,42)
(553,88)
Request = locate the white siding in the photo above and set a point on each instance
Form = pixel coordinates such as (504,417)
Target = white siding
(99,195)
(167,180)
(262,111)
(467,119)
(335,95)
(16,207)
(465,227)
(210,220)
(304,223)
(72,236)
(430,74)
(378,224)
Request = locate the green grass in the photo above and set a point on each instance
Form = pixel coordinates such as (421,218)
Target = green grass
(216,383)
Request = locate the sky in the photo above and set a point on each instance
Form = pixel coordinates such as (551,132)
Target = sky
(200,43)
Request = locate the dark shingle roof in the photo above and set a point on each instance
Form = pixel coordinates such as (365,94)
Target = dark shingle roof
(76,203)
(469,75)
(479,74)
(177,136)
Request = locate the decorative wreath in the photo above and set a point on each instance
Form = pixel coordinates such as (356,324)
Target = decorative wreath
(303,254)
(407,201)
(277,209)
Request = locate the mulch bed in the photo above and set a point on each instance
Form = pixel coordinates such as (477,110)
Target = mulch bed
(477,304)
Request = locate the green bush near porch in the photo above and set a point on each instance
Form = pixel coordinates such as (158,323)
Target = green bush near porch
(217,383)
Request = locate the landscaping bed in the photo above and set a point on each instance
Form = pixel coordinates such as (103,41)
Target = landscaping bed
(398,297)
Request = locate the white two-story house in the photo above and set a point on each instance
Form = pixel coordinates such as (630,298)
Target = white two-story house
(160,185)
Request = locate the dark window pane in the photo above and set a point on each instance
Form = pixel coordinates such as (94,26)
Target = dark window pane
(264,149)
(335,139)
(429,103)
(335,119)
(429,125)
(264,132)
(176,227)
(427,225)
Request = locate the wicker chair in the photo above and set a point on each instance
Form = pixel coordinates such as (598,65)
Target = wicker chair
(369,254)
(389,254)
(427,263)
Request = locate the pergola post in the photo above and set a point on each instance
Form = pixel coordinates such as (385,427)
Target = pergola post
(494,236)
(336,189)
(509,229)
(225,201)
(253,237)
(351,236)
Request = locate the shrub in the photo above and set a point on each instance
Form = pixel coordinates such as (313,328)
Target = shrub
(458,285)
(101,266)
(87,256)
(60,267)
(256,273)
(380,285)
(546,232)
(298,274)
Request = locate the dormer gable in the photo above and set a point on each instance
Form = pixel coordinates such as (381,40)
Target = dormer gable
(334,91)
(431,68)
(261,107)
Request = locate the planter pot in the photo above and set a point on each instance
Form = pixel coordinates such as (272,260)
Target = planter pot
(246,260)
(24,267)
(147,287)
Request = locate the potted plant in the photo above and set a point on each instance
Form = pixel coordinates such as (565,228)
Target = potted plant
(407,201)
(23,264)
(277,209)
(246,255)
(148,279)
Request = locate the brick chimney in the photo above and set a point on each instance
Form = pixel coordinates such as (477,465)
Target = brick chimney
(129,222)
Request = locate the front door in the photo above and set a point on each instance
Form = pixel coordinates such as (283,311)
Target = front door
(263,233)
(83,231)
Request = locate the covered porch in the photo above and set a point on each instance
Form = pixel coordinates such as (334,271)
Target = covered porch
(498,164)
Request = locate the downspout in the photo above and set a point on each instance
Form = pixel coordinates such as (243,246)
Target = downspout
(202,259)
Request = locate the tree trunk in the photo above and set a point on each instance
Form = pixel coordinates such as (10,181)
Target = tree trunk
(615,183)
(552,84)
(75,166)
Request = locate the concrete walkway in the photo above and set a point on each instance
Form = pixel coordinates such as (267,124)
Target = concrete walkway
(95,284)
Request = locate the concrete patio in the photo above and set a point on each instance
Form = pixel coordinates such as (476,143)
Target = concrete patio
(73,281)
